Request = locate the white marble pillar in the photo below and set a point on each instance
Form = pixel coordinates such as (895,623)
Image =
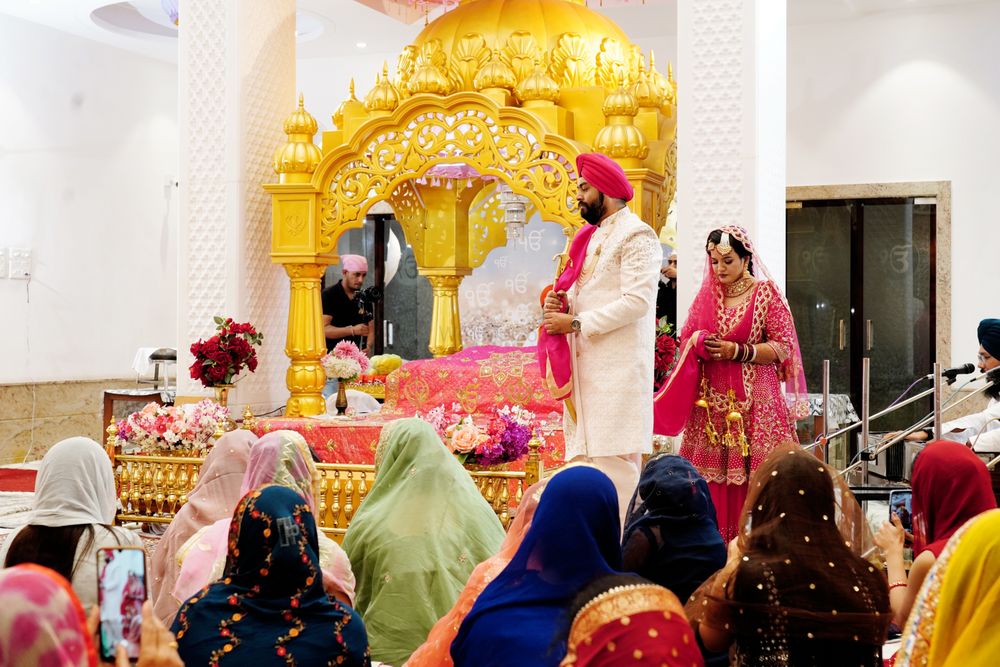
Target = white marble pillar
(731,130)
(237,86)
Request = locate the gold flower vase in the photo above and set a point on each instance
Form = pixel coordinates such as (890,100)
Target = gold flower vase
(222,398)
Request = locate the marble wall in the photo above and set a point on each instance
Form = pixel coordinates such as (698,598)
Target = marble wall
(33,417)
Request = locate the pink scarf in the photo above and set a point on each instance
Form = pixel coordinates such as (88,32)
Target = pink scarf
(554,358)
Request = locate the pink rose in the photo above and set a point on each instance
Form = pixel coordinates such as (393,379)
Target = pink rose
(464,437)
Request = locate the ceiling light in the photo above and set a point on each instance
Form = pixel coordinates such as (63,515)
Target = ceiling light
(361,45)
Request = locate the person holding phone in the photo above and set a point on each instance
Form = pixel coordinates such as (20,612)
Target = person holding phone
(950,486)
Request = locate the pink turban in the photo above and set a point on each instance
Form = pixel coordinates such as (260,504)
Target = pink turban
(354,263)
(604,174)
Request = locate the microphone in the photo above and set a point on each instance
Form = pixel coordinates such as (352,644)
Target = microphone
(951,373)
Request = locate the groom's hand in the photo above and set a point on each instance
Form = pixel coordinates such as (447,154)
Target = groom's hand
(557,323)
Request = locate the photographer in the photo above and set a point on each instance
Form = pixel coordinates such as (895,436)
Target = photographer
(346,316)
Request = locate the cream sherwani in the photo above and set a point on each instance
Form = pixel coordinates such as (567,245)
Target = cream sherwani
(615,300)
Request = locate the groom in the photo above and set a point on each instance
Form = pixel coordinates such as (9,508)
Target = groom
(596,348)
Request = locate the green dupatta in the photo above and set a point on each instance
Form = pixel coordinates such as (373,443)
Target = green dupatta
(415,539)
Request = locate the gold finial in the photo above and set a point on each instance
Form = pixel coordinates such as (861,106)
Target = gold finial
(351,88)
(495,74)
(670,72)
(383,96)
(297,159)
(249,421)
(351,103)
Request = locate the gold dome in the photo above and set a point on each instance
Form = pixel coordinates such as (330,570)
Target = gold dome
(301,121)
(538,86)
(620,103)
(352,103)
(664,85)
(646,94)
(298,158)
(383,96)
(494,74)
(570,32)
(429,75)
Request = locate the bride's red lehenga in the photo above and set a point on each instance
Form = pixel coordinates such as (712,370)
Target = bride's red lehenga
(767,413)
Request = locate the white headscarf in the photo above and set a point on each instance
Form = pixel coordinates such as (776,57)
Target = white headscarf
(75,485)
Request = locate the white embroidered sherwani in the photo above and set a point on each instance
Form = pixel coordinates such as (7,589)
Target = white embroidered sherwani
(615,300)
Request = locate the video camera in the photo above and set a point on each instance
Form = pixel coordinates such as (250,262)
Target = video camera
(367,298)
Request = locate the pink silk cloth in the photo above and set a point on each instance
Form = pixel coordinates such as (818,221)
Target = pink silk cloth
(43,623)
(554,359)
(282,458)
(477,378)
(436,651)
(214,497)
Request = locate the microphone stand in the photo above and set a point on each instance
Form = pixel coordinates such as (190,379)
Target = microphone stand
(919,425)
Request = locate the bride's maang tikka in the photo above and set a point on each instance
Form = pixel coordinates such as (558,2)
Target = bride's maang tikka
(723,247)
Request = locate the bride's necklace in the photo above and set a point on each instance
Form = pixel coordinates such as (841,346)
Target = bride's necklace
(739,288)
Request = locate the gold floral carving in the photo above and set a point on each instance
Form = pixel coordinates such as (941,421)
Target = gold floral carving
(521,54)
(613,64)
(468,57)
(572,61)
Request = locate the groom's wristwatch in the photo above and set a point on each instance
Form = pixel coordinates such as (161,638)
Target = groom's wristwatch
(575,325)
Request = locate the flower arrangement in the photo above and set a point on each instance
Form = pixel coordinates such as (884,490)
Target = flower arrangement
(346,362)
(666,351)
(503,439)
(222,357)
(158,427)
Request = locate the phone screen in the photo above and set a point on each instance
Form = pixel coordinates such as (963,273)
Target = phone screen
(900,504)
(121,590)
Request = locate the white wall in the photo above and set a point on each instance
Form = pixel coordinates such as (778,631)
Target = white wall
(88,138)
(909,96)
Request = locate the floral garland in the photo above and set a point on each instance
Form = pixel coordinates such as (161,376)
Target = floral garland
(666,353)
(157,427)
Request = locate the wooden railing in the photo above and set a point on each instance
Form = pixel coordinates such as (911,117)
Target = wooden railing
(152,489)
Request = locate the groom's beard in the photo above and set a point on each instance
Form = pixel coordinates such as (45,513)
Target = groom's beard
(592,214)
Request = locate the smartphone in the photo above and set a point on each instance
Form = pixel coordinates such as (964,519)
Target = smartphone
(121,590)
(900,504)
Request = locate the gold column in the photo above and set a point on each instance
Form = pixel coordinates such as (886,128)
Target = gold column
(446,325)
(305,343)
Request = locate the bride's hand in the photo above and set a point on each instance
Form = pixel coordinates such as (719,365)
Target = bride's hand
(719,349)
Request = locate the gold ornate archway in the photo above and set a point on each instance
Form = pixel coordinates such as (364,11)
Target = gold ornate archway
(496,96)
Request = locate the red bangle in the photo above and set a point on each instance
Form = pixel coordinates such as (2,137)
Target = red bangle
(896,584)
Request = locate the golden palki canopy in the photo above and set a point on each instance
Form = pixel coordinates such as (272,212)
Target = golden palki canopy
(494,97)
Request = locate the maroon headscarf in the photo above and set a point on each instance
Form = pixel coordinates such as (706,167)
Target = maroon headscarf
(950,486)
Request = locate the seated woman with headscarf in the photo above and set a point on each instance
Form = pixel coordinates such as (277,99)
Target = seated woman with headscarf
(625,619)
(416,538)
(522,617)
(436,649)
(671,536)
(796,590)
(950,486)
(957,612)
(72,517)
(213,498)
(283,458)
(270,607)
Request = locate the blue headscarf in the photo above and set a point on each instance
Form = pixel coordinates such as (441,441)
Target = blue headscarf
(673,508)
(270,607)
(522,617)
(989,336)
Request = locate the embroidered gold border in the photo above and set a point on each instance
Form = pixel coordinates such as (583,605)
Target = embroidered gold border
(617,603)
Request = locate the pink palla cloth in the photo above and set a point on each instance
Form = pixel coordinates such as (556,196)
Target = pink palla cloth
(436,650)
(283,458)
(214,497)
(42,623)
(554,360)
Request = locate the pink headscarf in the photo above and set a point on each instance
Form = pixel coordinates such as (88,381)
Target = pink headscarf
(42,621)
(672,404)
(605,174)
(213,498)
(283,458)
(354,263)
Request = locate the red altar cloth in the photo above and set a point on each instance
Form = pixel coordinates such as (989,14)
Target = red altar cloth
(354,439)
(477,378)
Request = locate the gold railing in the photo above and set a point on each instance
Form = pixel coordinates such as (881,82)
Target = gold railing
(152,489)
